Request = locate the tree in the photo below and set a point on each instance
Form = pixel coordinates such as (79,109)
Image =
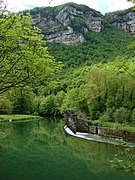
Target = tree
(5,105)
(133,1)
(22,100)
(24,58)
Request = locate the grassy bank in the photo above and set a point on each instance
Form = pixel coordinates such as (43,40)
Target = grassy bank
(16,117)
(124,126)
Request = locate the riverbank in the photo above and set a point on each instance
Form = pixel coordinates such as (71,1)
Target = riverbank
(16,117)
(124,126)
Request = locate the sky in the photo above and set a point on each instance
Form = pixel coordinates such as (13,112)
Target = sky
(103,6)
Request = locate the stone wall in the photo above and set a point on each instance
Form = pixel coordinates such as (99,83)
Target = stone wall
(75,124)
(93,129)
(107,131)
(79,125)
(129,136)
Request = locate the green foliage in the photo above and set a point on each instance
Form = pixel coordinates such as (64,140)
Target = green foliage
(77,23)
(133,1)
(98,90)
(5,105)
(22,101)
(98,78)
(71,100)
(125,160)
(100,47)
(48,106)
(111,16)
(79,7)
(45,11)
(122,115)
(53,11)
(133,117)
(108,115)
(24,59)
(59,100)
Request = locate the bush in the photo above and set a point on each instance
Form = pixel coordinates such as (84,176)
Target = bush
(133,117)
(48,106)
(122,115)
(107,115)
(59,99)
(104,117)
(5,105)
(22,100)
(37,101)
(70,100)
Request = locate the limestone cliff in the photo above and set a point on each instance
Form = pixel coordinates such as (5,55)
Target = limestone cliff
(123,19)
(68,23)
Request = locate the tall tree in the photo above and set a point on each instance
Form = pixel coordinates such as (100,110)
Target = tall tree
(24,58)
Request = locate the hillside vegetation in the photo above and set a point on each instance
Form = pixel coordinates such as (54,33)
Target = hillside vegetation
(95,78)
(100,47)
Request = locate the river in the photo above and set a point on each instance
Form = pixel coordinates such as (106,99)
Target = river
(40,150)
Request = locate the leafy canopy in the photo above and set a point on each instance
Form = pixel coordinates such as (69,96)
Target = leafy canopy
(24,58)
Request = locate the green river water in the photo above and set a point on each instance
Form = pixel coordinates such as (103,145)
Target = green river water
(40,150)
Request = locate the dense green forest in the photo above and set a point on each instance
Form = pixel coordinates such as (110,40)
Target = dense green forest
(95,78)
(99,48)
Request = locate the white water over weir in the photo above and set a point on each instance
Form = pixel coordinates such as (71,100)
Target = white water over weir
(97,138)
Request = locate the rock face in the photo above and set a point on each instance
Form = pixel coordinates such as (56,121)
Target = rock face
(123,19)
(126,22)
(68,23)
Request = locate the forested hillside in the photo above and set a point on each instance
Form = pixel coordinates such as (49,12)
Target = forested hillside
(95,78)
(100,47)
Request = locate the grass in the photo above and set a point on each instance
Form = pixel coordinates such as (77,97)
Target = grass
(124,126)
(16,117)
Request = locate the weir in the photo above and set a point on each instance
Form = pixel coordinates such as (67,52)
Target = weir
(98,138)
(80,128)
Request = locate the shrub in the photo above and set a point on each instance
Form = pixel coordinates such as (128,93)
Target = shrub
(70,100)
(122,115)
(133,117)
(104,117)
(59,99)
(107,115)
(48,106)
(37,101)
(22,100)
(5,105)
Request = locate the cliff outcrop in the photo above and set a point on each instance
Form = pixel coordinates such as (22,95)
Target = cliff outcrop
(68,23)
(122,19)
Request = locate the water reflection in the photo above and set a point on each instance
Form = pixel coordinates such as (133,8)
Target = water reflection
(40,150)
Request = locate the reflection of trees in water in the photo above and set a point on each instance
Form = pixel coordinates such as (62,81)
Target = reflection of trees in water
(125,160)
(49,131)
(20,134)
(5,129)
(44,146)
(49,123)
(24,134)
